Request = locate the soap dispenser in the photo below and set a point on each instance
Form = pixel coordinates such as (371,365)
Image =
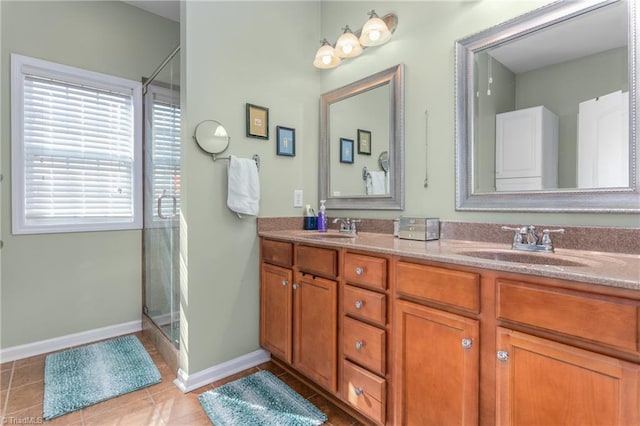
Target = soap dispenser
(322,217)
(310,221)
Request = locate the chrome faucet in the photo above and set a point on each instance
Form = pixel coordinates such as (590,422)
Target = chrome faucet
(526,238)
(347,226)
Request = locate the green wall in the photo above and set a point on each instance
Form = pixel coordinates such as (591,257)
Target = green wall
(561,87)
(502,99)
(424,42)
(236,53)
(57,284)
(232,53)
(270,65)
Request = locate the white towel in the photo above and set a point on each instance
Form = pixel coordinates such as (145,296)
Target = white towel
(377,183)
(244,186)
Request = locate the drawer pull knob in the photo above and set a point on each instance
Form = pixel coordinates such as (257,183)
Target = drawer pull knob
(359,304)
(284,282)
(503,356)
(295,286)
(359,345)
(466,343)
(359,271)
(358,391)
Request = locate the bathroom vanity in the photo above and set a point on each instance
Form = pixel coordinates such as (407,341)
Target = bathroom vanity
(413,332)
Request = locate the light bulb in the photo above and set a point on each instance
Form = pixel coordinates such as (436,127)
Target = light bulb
(347,45)
(326,57)
(375,31)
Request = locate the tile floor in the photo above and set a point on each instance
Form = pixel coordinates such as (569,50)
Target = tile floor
(22,392)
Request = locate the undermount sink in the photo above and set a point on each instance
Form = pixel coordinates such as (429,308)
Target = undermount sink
(523,257)
(323,235)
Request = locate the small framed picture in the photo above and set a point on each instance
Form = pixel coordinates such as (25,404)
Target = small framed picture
(364,142)
(257,122)
(346,150)
(286,141)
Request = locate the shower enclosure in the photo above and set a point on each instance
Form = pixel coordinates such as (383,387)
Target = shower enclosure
(161,233)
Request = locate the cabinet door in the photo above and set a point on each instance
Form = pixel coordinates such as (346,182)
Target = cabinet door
(603,141)
(315,329)
(436,365)
(541,382)
(275,310)
(519,143)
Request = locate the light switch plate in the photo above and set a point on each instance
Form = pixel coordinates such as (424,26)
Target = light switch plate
(297,198)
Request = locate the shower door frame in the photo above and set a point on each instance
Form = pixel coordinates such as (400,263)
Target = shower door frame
(173,339)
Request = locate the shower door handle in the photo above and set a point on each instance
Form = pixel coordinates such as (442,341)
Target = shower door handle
(175,205)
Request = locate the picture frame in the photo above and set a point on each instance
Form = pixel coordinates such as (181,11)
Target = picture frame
(286,141)
(364,142)
(257,121)
(346,150)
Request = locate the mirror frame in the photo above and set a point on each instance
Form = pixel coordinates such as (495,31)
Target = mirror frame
(607,200)
(199,137)
(393,76)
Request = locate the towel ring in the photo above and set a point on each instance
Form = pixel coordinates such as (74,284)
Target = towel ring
(211,137)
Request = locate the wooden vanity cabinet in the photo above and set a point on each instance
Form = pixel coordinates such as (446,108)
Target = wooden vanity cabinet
(276,284)
(364,322)
(437,352)
(276,308)
(543,382)
(552,348)
(543,351)
(299,308)
(315,329)
(414,342)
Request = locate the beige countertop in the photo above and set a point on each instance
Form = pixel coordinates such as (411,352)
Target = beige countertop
(603,268)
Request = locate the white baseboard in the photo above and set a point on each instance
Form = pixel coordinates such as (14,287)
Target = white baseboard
(44,346)
(188,382)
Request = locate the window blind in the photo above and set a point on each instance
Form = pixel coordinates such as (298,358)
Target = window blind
(75,149)
(78,152)
(166,155)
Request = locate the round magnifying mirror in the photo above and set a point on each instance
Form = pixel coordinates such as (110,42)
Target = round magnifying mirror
(211,136)
(383,160)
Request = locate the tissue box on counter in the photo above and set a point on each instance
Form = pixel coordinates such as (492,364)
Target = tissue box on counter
(419,228)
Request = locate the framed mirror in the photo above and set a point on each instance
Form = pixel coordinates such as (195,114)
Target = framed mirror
(358,122)
(211,137)
(547,112)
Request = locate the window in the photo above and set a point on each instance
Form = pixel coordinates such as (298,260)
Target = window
(76,149)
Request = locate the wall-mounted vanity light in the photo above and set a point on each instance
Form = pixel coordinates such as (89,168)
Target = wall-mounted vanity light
(326,56)
(375,32)
(348,45)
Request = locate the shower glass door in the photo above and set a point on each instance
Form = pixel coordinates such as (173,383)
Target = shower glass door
(162,199)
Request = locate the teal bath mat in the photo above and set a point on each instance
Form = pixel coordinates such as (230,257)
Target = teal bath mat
(80,377)
(259,399)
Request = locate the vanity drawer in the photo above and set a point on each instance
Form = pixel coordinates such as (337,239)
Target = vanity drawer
(365,304)
(445,286)
(366,270)
(605,319)
(277,252)
(364,391)
(364,344)
(317,260)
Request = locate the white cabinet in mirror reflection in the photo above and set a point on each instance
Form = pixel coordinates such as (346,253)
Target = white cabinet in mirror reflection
(526,150)
(603,141)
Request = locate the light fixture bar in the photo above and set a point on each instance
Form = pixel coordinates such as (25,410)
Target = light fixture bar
(390,20)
